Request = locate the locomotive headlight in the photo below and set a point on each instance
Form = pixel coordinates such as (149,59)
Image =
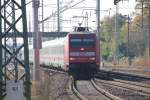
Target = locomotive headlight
(72,58)
(92,58)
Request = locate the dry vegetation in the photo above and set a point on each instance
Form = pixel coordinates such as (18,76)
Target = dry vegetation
(142,62)
(136,62)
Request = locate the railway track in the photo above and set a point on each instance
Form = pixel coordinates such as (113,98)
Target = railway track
(88,90)
(145,72)
(107,74)
(133,83)
(119,74)
(141,88)
(102,91)
(75,91)
(126,89)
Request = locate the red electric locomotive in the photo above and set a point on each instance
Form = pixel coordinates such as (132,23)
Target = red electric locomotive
(82,52)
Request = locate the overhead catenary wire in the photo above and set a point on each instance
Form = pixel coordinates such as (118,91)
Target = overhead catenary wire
(66,7)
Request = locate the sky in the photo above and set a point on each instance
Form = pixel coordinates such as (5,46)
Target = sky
(78,14)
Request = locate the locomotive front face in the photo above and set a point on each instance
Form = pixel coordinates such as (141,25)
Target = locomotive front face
(82,48)
(83,54)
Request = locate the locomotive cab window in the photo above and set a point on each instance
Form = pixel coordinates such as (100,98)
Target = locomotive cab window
(75,42)
(87,43)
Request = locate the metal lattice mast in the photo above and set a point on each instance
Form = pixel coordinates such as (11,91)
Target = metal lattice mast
(42,17)
(12,24)
(58,15)
(117,32)
(1,71)
(149,30)
(98,16)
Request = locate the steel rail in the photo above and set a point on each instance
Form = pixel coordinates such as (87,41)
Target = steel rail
(127,86)
(132,83)
(102,91)
(75,91)
(120,74)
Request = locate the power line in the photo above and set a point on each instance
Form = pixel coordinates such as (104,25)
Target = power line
(66,7)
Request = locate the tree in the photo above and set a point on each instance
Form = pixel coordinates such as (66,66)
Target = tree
(107,35)
(137,33)
(107,30)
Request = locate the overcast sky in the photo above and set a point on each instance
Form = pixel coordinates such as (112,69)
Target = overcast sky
(68,17)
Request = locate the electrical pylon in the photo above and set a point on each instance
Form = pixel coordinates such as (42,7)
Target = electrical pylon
(13,50)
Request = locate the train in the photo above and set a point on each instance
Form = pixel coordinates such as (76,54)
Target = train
(77,53)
